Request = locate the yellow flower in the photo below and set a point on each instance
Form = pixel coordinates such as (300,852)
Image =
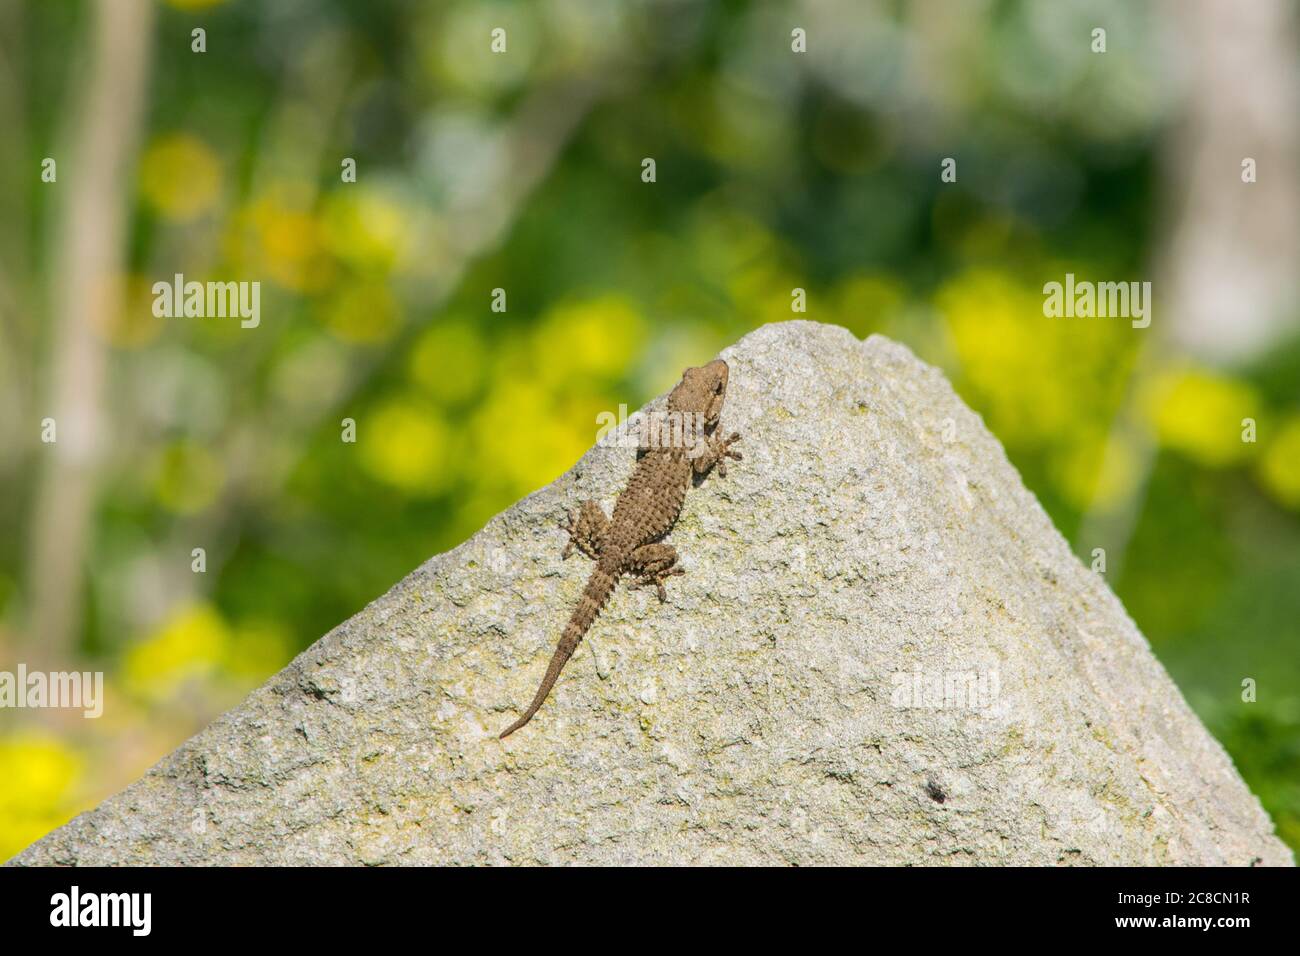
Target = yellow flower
(1045,384)
(449,360)
(366,229)
(520,434)
(180,176)
(364,313)
(37,770)
(190,644)
(278,235)
(1036,378)
(1199,413)
(592,338)
(40,775)
(407,447)
(289,240)
(1279,468)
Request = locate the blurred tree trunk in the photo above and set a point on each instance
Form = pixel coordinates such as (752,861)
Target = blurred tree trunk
(1226,250)
(15,259)
(94,186)
(1229,255)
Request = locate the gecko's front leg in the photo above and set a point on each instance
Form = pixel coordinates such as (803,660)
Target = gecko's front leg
(587,530)
(716,451)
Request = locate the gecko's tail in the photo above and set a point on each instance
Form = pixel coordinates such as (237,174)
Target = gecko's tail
(599,587)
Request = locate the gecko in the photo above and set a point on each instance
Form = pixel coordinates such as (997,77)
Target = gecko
(630,541)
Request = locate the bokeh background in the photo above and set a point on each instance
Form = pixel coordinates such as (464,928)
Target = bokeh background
(522,171)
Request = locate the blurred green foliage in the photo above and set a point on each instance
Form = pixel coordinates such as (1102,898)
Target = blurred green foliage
(772,173)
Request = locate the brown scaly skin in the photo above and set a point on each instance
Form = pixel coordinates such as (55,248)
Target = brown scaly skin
(628,543)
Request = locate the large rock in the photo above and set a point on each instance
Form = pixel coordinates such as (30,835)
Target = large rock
(881,652)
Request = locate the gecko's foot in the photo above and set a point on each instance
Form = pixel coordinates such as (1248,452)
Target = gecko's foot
(653,564)
(658,582)
(726,451)
(719,451)
(586,527)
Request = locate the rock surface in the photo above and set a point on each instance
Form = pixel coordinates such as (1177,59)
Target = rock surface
(881,652)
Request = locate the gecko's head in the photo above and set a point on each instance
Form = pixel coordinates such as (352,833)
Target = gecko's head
(701,391)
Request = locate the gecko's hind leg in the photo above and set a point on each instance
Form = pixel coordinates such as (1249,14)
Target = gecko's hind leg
(587,528)
(652,563)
